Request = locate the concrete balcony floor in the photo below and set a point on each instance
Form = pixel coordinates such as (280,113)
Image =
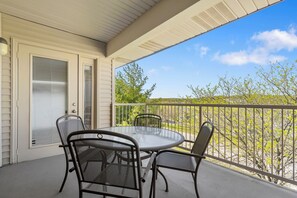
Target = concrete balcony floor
(42,179)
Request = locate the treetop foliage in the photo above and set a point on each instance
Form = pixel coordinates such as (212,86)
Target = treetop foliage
(130,85)
(275,86)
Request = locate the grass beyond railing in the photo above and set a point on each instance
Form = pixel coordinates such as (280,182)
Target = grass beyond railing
(258,138)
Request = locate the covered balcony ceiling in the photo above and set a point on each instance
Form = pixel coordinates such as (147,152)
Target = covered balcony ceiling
(133,29)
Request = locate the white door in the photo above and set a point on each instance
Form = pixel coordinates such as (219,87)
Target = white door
(47,89)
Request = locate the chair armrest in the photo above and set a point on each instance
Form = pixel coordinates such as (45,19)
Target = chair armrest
(63,146)
(148,167)
(181,153)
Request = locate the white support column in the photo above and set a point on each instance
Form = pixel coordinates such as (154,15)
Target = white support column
(113,113)
(0,96)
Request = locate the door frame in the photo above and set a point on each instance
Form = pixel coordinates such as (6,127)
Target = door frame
(1,66)
(83,61)
(15,79)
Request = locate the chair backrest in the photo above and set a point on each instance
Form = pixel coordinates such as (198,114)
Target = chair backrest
(203,138)
(108,177)
(148,119)
(68,124)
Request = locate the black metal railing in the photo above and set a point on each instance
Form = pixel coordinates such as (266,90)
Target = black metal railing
(258,138)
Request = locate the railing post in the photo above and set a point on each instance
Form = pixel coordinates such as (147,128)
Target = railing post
(200,116)
(146,108)
(113,114)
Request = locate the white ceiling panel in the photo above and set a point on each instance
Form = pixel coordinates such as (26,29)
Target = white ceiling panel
(273,1)
(217,16)
(97,19)
(249,6)
(261,3)
(133,29)
(236,7)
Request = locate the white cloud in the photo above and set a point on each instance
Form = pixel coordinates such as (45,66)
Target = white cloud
(232,58)
(166,68)
(277,40)
(203,51)
(269,43)
(152,72)
(256,56)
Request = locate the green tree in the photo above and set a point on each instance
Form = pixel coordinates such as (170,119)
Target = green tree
(130,88)
(274,86)
(130,84)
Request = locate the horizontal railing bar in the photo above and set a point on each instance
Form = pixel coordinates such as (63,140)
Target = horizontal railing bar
(130,104)
(214,105)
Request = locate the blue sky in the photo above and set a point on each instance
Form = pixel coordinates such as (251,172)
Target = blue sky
(234,50)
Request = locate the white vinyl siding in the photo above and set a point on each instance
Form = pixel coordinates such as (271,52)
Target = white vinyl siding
(21,30)
(104,99)
(6,104)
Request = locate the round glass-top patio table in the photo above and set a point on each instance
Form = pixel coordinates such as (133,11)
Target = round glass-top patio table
(150,138)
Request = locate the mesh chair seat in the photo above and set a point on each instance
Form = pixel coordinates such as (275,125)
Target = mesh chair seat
(115,180)
(143,155)
(176,161)
(91,155)
(113,175)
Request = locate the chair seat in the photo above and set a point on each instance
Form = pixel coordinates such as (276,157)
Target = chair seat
(143,155)
(93,155)
(113,175)
(176,161)
(115,178)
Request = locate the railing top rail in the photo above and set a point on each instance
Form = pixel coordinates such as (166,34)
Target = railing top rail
(130,104)
(215,105)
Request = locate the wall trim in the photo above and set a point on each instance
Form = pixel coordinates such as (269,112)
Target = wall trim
(1,97)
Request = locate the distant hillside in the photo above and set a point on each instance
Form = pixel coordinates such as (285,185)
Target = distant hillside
(251,99)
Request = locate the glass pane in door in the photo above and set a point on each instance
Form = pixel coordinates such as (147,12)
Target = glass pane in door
(49,99)
(88,96)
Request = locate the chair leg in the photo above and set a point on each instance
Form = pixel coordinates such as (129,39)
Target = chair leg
(166,183)
(65,176)
(196,186)
(153,183)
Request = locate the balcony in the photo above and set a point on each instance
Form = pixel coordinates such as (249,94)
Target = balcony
(42,178)
(241,136)
(258,140)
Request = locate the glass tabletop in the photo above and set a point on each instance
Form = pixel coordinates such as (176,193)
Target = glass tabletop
(150,138)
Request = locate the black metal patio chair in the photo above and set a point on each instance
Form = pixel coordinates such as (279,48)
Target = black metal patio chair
(65,125)
(114,179)
(182,161)
(148,119)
